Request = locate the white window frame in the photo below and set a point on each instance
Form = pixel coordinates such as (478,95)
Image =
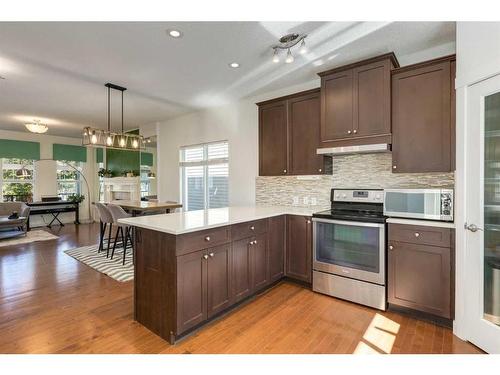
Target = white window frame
(18,166)
(205,163)
(61,165)
(145,169)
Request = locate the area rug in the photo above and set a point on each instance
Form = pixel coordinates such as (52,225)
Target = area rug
(31,236)
(98,261)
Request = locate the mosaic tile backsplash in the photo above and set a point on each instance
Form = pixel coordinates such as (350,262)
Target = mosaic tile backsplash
(369,171)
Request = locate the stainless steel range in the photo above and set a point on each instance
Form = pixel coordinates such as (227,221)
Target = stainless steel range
(349,248)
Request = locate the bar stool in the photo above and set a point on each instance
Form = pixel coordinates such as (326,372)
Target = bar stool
(119,213)
(105,219)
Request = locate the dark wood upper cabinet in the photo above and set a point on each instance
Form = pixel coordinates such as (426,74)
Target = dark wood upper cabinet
(289,134)
(273,139)
(276,247)
(304,134)
(356,102)
(218,279)
(299,248)
(423,117)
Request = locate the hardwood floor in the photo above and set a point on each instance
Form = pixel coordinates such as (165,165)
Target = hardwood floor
(51,303)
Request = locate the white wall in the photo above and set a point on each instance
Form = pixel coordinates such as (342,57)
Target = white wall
(236,122)
(45,171)
(478,58)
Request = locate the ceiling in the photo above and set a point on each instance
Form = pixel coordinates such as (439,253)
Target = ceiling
(55,71)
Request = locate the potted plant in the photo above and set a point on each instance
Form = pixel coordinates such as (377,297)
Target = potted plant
(76,198)
(105,173)
(128,173)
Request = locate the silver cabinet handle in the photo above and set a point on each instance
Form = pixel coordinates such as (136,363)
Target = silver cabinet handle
(320,170)
(252,228)
(348,132)
(251,242)
(211,255)
(472,227)
(391,247)
(417,234)
(394,167)
(354,131)
(205,256)
(308,221)
(255,242)
(207,238)
(284,170)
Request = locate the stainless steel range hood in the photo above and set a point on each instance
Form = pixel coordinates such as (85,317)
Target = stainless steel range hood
(361,149)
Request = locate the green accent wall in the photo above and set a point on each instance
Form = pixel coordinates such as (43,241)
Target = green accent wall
(147,158)
(99,155)
(119,161)
(19,149)
(69,152)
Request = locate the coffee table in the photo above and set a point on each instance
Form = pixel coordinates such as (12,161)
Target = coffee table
(12,227)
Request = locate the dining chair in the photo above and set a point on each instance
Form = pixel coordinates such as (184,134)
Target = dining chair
(119,213)
(105,219)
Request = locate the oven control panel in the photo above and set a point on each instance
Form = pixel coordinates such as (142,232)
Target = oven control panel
(369,196)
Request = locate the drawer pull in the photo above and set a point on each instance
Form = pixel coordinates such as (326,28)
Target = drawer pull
(207,238)
(211,255)
(251,242)
(205,256)
(255,242)
(391,247)
(252,228)
(417,234)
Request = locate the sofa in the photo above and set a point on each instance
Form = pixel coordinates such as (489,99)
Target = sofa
(7,208)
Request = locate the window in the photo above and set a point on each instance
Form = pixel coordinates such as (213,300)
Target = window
(205,176)
(17,186)
(68,180)
(100,166)
(145,182)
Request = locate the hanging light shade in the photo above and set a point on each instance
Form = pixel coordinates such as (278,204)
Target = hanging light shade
(287,42)
(106,138)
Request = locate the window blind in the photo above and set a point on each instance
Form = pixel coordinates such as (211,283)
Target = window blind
(69,152)
(19,149)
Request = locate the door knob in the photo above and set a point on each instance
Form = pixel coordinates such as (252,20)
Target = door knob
(391,247)
(348,132)
(211,255)
(205,256)
(354,131)
(417,234)
(207,238)
(284,170)
(252,228)
(472,227)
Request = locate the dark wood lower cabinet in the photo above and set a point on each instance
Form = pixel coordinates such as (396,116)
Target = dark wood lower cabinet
(242,283)
(276,247)
(420,276)
(218,279)
(299,248)
(178,289)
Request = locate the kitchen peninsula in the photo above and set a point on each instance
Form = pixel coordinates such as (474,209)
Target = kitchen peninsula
(191,267)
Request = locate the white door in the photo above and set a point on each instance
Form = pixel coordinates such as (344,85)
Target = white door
(482,266)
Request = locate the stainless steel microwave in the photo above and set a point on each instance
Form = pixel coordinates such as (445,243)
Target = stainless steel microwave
(430,204)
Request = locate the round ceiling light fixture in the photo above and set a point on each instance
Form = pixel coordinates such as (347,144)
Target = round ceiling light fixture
(174,33)
(234,65)
(37,127)
(286,43)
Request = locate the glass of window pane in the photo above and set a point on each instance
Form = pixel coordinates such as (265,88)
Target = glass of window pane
(194,191)
(218,176)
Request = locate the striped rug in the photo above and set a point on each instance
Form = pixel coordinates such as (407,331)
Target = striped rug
(98,261)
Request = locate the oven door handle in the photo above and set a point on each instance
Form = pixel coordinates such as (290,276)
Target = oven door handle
(350,223)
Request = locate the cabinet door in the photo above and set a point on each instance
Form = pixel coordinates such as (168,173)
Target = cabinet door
(453,114)
(299,248)
(419,277)
(336,106)
(273,151)
(240,270)
(421,104)
(372,99)
(276,247)
(218,279)
(191,290)
(259,262)
(304,135)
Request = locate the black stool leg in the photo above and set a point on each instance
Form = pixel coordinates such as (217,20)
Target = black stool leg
(116,240)
(101,239)
(109,238)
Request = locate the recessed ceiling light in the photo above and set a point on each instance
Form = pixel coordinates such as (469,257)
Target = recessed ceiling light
(174,33)
(234,65)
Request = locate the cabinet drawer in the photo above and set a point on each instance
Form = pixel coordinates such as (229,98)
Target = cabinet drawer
(419,234)
(190,242)
(248,229)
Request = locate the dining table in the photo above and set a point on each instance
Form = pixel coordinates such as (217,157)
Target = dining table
(138,208)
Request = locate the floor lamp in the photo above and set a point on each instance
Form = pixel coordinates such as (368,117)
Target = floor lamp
(24,173)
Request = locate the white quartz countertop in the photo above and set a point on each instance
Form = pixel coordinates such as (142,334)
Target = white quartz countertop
(193,221)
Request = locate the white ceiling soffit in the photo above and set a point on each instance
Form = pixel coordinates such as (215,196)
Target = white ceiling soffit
(55,72)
